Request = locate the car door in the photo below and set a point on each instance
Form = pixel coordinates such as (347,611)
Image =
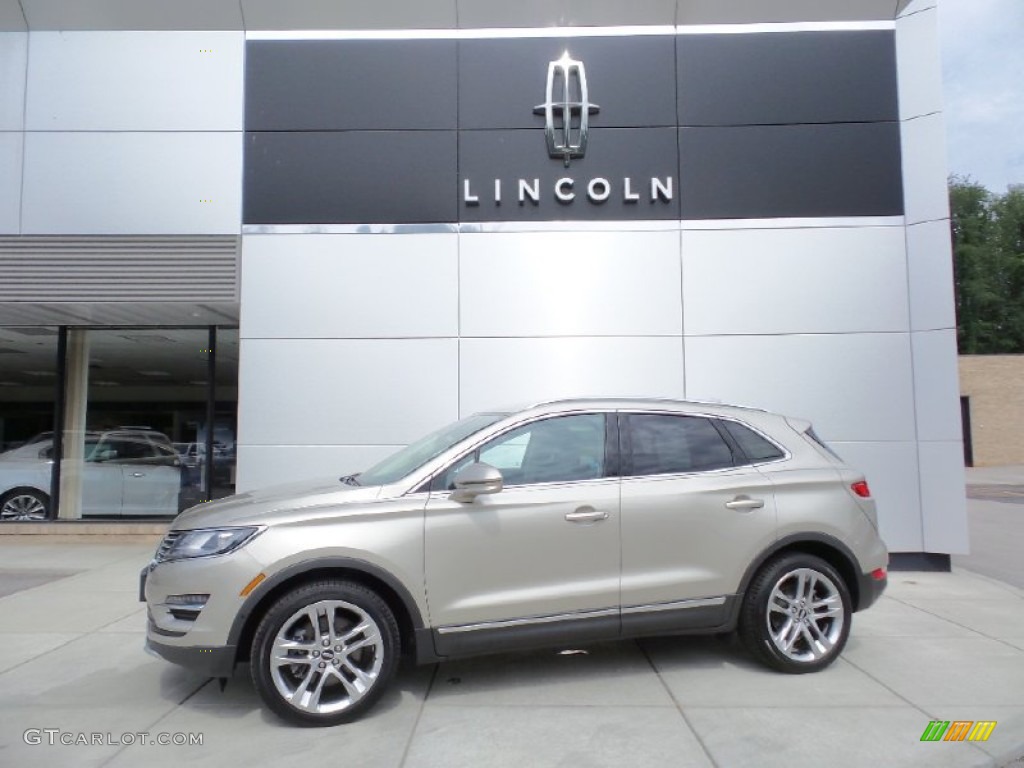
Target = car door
(102,484)
(151,477)
(540,558)
(693,518)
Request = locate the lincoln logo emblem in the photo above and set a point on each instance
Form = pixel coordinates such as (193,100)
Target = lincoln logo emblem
(567,109)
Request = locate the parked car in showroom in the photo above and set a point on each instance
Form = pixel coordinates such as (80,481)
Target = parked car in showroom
(563,523)
(126,473)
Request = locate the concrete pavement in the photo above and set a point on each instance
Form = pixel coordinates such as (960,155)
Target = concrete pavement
(996,520)
(937,646)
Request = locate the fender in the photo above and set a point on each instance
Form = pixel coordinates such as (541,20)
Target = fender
(797,539)
(316,564)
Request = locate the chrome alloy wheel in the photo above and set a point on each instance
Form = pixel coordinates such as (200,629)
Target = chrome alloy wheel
(326,657)
(23,506)
(805,615)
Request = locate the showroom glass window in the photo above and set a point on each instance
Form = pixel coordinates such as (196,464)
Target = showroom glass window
(28,388)
(666,444)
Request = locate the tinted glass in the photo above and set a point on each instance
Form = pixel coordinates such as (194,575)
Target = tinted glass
(663,445)
(753,445)
(562,449)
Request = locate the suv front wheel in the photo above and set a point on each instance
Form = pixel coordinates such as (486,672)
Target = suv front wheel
(796,614)
(324,652)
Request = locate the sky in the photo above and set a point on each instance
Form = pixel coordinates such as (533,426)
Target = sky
(983,78)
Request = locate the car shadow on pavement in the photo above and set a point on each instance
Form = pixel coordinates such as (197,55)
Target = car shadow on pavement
(238,698)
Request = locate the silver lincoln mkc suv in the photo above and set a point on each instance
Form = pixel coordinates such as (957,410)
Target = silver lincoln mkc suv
(564,523)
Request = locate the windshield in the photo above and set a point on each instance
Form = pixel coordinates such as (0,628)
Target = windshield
(412,457)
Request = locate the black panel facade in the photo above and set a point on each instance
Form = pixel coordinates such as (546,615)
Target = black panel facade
(760,172)
(319,85)
(353,177)
(631,79)
(787,78)
(613,182)
(735,126)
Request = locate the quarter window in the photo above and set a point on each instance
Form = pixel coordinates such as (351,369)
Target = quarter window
(663,444)
(752,444)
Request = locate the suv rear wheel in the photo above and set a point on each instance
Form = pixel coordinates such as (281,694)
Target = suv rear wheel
(796,614)
(324,653)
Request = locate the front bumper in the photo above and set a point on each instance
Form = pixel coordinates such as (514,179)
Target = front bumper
(212,662)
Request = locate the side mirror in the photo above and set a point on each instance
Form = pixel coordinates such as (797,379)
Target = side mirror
(476,480)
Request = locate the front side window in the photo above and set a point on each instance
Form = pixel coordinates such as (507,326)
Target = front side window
(414,456)
(556,450)
(664,444)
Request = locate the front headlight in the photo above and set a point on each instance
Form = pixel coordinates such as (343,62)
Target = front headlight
(204,542)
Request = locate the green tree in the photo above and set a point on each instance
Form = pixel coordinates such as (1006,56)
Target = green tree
(1009,244)
(988,257)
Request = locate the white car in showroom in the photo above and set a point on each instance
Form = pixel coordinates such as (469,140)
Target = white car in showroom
(126,473)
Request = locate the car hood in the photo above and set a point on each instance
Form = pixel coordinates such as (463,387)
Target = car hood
(269,504)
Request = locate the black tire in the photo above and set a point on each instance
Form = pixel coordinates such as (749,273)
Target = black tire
(24,504)
(796,614)
(342,665)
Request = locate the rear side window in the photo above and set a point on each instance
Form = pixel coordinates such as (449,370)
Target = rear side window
(755,447)
(663,444)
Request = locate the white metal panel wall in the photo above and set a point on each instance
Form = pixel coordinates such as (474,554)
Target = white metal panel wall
(135,81)
(509,372)
(345,391)
(853,386)
(133,133)
(347,350)
(924,168)
(13,61)
(930,275)
(778,281)
(919,70)
(11,146)
(350,286)
(132,183)
(536,284)
(930,278)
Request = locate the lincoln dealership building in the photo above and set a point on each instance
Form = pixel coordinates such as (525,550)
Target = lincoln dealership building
(288,238)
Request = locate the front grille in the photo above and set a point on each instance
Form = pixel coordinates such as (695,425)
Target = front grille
(165,546)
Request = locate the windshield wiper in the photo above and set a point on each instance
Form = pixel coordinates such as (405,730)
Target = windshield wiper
(350,479)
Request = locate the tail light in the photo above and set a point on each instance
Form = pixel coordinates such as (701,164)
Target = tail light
(861,489)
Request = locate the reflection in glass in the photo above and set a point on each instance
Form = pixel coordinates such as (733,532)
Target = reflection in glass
(28,377)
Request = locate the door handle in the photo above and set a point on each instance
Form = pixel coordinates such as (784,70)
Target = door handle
(744,503)
(586,516)
(138,474)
